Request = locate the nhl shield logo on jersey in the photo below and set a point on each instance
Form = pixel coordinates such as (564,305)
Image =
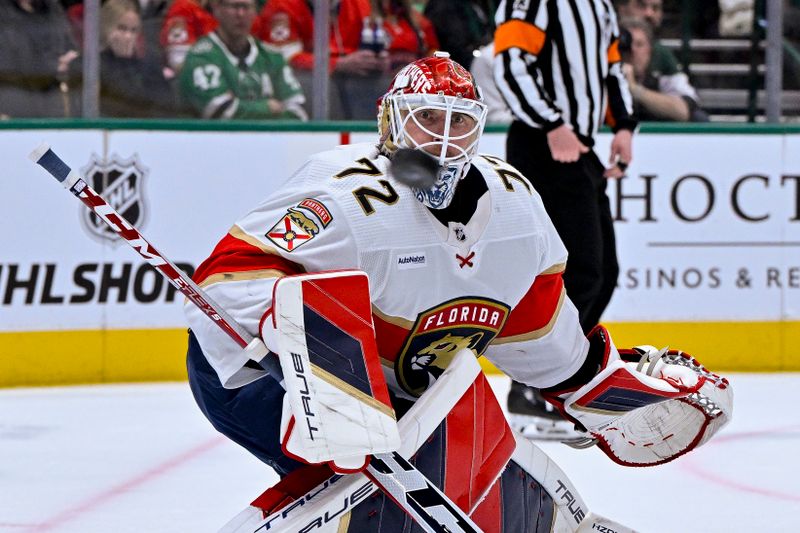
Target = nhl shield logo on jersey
(439,333)
(121,183)
(296,227)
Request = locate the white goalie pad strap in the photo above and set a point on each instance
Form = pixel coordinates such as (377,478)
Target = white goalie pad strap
(337,403)
(651,412)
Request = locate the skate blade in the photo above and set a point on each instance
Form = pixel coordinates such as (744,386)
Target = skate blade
(538,428)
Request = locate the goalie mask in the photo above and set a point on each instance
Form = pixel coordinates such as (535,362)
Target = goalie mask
(433,105)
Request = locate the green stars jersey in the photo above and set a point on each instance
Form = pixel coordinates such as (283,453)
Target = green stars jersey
(218,84)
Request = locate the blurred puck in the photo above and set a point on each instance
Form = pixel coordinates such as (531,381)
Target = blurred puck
(414,168)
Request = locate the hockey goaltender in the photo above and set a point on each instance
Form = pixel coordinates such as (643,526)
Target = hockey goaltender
(376,307)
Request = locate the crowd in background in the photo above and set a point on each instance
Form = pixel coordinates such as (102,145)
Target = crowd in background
(254,58)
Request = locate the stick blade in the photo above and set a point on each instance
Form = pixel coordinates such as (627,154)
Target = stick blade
(38,152)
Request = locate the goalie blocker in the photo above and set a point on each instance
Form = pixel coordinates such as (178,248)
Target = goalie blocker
(336,408)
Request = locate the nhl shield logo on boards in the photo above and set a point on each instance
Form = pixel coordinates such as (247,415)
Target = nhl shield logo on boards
(120,182)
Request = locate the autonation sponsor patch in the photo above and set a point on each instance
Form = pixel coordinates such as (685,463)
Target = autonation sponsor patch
(412,260)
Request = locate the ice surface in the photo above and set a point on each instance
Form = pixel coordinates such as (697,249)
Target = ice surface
(141,458)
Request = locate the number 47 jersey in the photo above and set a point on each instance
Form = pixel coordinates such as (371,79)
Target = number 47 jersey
(492,283)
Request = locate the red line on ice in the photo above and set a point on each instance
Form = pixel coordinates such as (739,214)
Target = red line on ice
(118,490)
(692,464)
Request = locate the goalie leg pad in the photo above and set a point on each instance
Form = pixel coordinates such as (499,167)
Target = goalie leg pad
(517,502)
(464,457)
(337,405)
(461,388)
(571,512)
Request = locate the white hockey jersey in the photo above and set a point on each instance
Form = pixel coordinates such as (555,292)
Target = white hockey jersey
(493,284)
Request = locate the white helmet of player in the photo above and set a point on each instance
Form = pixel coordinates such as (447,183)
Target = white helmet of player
(435,106)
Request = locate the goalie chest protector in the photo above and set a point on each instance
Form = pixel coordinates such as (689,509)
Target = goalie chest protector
(438,289)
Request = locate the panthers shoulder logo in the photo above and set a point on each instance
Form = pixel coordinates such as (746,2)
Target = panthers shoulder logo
(298,226)
(440,333)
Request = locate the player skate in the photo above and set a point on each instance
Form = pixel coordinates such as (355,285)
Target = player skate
(534,418)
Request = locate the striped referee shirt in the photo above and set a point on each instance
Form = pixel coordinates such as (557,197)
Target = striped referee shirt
(558,61)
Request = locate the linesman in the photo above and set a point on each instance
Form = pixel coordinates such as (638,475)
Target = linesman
(558,66)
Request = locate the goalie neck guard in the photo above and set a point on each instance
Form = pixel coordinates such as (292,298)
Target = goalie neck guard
(434,105)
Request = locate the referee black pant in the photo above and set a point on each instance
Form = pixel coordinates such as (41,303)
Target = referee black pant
(574,195)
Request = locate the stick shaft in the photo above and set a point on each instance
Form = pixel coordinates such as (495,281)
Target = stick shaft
(53,164)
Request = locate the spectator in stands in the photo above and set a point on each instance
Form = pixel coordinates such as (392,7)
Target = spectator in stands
(462,26)
(663,61)
(37,49)
(130,85)
(185,22)
(359,64)
(655,97)
(229,74)
(288,25)
(409,34)
(652,11)
(151,13)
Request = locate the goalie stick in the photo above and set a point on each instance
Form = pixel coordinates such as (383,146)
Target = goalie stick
(428,506)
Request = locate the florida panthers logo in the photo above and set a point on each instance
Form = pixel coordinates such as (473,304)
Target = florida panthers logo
(441,332)
(121,183)
(297,226)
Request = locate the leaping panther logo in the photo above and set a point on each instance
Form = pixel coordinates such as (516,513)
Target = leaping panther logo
(436,357)
(308,225)
(440,333)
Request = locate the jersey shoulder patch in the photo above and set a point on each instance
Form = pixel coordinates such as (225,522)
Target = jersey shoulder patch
(301,223)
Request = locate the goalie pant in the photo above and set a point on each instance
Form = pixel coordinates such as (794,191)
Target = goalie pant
(231,410)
